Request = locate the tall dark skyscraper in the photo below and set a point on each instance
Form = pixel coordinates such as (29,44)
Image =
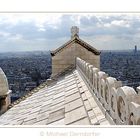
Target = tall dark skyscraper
(135,51)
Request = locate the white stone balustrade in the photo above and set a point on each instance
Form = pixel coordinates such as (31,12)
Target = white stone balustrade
(121,103)
(95,80)
(90,75)
(101,87)
(124,96)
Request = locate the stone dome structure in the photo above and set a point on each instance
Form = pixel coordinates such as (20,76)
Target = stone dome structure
(3,84)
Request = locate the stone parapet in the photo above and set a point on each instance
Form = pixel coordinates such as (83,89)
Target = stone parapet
(120,104)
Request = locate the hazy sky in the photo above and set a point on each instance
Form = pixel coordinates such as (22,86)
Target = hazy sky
(47,31)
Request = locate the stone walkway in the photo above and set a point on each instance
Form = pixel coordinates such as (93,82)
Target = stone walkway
(66,102)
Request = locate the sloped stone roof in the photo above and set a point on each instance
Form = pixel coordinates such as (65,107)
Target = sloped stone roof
(79,41)
(65,102)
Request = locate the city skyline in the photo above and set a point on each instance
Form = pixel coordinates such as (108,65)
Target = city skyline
(47,31)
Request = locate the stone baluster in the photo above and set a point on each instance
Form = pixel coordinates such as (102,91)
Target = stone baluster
(113,86)
(101,85)
(134,116)
(89,74)
(125,95)
(78,63)
(134,107)
(110,83)
(87,71)
(95,80)
(83,65)
(121,103)
(138,90)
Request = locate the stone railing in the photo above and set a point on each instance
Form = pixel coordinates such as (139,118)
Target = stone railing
(120,104)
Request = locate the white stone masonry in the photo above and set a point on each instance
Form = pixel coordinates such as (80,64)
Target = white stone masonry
(120,104)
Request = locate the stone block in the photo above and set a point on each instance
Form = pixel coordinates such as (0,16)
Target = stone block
(58,100)
(71,87)
(41,122)
(84,96)
(94,121)
(73,105)
(104,122)
(87,105)
(91,114)
(57,107)
(84,121)
(59,122)
(56,96)
(72,97)
(92,102)
(42,116)
(75,115)
(70,92)
(29,122)
(57,115)
(88,94)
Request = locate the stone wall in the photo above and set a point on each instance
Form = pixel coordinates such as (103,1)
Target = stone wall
(120,104)
(67,56)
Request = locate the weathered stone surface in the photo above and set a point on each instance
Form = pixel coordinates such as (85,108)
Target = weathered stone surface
(92,102)
(71,87)
(97,110)
(70,82)
(29,122)
(72,97)
(73,105)
(58,95)
(75,115)
(100,116)
(57,101)
(35,109)
(104,122)
(41,122)
(42,116)
(54,108)
(60,122)
(70,92)
(30,116)
(91,114)
(87,105)
(88,94)
(55,116)
(95,121)
(84,121)
(59,104)
(84,97)
(71,50)
(44,109)
(81,90)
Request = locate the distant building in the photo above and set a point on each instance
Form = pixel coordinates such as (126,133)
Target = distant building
(135,50)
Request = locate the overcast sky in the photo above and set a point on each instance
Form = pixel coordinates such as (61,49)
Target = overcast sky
(27,32)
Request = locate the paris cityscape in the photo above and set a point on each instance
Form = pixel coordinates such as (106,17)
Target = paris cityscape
(27,70)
